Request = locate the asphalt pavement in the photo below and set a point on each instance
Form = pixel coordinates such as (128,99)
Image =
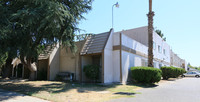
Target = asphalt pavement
(181,90)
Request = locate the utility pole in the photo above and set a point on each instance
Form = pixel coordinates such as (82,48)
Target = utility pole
(116,5)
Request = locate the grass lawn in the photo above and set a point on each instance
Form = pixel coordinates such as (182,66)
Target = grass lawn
(69,92)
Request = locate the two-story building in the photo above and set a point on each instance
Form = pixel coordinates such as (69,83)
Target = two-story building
(115,52)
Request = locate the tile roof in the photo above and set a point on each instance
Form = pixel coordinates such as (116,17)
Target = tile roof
(46,53)
(95,43)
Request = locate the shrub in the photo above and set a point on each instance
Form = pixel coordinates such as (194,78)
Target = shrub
(92,72)
(146,74)
(171,72)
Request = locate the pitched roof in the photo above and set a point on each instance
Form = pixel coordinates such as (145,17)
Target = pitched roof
(46,53)
(95,43)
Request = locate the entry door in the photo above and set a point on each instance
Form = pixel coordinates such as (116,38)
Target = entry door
(96,60)
(19,71)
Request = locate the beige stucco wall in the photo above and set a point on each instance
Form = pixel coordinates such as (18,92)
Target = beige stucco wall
(54,62)
(70,61)
(138,34)
(85,60)
(67,61)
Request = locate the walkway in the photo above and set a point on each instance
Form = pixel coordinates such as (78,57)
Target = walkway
(7,96)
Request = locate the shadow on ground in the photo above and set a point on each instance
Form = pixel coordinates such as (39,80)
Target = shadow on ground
(53,87)
(143,85)
(29,89)
(26,87)
(5,95)
(125,93)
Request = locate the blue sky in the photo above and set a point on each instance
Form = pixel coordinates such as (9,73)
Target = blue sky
(179,20)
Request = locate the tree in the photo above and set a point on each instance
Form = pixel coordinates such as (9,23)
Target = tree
(3,58)
(32,25)
(150,35)
(161,34)
(7,48)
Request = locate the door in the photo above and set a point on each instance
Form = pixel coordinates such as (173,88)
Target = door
(96,60)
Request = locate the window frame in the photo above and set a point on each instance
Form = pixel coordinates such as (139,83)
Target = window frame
(164,51)
(159,49)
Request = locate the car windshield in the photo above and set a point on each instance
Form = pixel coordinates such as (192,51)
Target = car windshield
(190,73)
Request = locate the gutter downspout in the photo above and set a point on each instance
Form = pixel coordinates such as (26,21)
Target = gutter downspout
(120,52)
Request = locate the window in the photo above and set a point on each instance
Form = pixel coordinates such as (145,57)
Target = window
(164,52)
(159,49)
(154,45)
(190,73)
(144,63)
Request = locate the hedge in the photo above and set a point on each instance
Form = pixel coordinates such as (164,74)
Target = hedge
(146,74)
(171,72)
(92,72)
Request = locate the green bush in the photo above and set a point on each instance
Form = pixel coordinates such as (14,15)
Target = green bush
(146,74)
(92,72)
(171,72)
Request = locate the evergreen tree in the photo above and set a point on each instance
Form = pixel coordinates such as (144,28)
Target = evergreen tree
(159,32)
(28,26)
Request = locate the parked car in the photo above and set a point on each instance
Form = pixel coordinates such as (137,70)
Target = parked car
(191,74)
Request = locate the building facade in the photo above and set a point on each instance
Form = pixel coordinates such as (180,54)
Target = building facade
(114,52)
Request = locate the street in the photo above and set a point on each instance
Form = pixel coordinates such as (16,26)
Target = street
(182,90)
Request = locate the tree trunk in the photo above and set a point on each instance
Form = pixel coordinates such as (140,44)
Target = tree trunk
(33,69)
(31,66)
(32,75)
(7,69)
(150,35)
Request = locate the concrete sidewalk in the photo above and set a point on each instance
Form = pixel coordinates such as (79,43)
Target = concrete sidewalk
(8,96)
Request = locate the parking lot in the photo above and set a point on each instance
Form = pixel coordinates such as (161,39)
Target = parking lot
(182,90)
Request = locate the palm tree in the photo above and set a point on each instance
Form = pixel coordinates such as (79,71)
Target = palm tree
(150,35)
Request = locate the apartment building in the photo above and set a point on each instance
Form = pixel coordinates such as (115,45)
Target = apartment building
(176,61)
(161,49)
(115,52)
